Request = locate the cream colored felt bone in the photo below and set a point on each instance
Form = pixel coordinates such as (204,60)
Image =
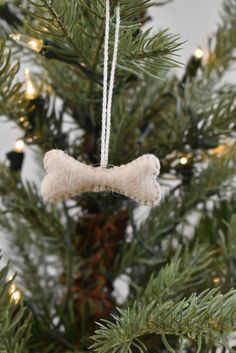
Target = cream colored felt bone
(67,177)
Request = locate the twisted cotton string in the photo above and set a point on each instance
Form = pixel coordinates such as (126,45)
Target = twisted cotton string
(108,93)
(105,88)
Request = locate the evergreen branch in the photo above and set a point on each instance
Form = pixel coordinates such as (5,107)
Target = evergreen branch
(207,122)
(10,15)
(182,273)
(57,10)
(37,229)
(149,116)
(12,99)
(219,171)
(208,314)
(57,20)
(24,202)
(159,225)
(15,320)
(219,225)
(74,21)
(15,104)
(133,9)
(222,44)
(148,54)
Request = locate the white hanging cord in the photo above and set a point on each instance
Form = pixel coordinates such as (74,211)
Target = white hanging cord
(105,79)
(112,80)
(108,93)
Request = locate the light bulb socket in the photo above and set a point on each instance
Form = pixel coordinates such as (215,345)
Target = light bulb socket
(192,68)
(16,160)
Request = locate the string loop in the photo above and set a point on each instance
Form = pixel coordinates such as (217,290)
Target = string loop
(108,88)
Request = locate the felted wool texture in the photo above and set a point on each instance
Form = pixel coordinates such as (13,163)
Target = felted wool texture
(68,177)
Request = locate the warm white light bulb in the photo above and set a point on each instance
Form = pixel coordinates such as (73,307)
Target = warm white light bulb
(31,43)
(31,91)
(21,119)
(15,36)
(14,293)
(19,146)
(198,53)
(183,161)
(27,72)
(12,289)
(9,278)
(16,296)
(216,281)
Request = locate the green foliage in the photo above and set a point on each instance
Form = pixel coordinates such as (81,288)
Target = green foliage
(78,27)
(69,255)
(34,229)
(222,45)
(182,274)
(12,99)
(15,320)
(219,224)
(161,307)
(15,105)
(9,16)
(28,202)
(168,220)
(205,113)
(209,313)
(41,252)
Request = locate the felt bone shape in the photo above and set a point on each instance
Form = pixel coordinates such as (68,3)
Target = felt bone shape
(68,177)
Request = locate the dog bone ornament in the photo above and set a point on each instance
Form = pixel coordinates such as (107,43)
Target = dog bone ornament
(68,177)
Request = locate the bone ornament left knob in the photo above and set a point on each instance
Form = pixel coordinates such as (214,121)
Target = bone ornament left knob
(67,177)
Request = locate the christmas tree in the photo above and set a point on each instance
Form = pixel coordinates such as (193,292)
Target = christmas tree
(70,258)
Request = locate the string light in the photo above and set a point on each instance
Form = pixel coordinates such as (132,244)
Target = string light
(193,65)
(216,281)
(219,150)
(12,288)
(183,161)
(22,119)
(19,146)
(16,157)
(33,137)
(198,54)
(15,294)
(24,122)
(30,140)
(31,91)
(31,43)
